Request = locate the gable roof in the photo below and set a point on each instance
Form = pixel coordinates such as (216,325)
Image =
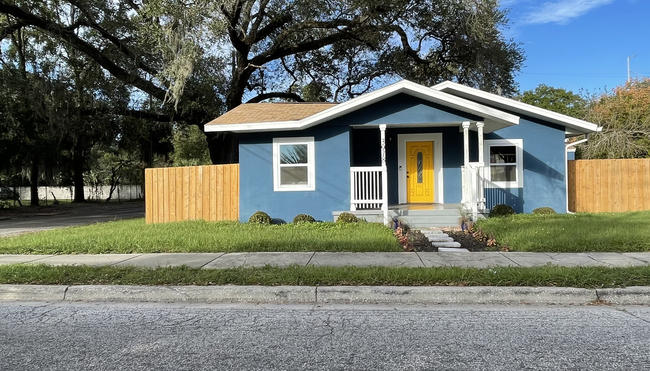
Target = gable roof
(494,118)
(573,125)
(269,112)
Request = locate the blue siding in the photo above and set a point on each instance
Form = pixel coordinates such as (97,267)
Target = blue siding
(332,176)
(544,167)
(338,147)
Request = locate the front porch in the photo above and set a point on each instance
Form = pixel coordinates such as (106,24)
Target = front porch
(414,215)
(441,184)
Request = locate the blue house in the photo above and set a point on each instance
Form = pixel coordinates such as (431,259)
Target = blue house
(405,149)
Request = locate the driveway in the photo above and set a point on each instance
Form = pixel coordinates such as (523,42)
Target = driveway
(14,223)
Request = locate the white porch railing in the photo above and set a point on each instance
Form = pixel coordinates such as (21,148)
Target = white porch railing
(366,188)
(473,184)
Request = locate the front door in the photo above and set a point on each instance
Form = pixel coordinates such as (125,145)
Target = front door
(419,172)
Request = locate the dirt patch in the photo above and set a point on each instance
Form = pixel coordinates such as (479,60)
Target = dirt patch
(419,242)
(469,241)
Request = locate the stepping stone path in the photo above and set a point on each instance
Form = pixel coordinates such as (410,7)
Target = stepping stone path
(442,240)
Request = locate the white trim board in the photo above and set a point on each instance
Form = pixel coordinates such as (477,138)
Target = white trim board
(311,164)
(494,118)
(519,146)
(439,182)
(481,96)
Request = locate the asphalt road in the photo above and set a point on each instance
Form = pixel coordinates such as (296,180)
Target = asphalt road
(146,336)
(68,216)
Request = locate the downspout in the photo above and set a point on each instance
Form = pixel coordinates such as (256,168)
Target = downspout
(566,169)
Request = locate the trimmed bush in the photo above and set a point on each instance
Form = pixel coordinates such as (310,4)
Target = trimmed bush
(544,211)
(501,210)
(304,218)
(347,218)
(260,217)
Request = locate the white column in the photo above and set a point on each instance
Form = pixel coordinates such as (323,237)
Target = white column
(466,142)
(479,127)
(384,174)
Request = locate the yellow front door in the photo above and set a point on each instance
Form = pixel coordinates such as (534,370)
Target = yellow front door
(419,172)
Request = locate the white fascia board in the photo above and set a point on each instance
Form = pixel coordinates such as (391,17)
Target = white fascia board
(404,86)
(519,107)
(254,126)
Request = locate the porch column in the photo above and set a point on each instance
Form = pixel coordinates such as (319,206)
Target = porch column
(479,127)
(384,174)
(466,142)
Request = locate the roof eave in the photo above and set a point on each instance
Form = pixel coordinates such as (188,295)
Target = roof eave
(520,107)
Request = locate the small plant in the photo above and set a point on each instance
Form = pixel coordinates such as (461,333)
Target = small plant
(402,237)
(501,210)
(260,217)
(304,218)
(544,211)
(347,218)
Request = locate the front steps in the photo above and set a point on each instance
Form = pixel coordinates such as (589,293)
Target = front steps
(441,240)
(442,217)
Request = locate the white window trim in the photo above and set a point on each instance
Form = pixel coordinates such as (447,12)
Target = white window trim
(311,161)
(519,145)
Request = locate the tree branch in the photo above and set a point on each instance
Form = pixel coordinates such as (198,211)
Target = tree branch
(70,37)
(276,94)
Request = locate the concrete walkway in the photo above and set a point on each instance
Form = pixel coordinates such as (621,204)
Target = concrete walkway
(338,259)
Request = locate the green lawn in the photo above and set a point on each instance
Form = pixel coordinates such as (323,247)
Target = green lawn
(134,236)
(588,277)
(571,232)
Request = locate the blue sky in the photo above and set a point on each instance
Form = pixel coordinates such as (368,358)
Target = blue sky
(580,45)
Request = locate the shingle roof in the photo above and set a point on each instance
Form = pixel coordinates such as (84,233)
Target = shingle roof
(269,112)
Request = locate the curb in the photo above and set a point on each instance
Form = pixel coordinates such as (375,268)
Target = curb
(398,295)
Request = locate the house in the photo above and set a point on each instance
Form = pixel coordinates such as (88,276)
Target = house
(405,147)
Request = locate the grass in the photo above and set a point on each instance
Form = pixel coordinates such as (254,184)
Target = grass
(587,277)
(134,236)
(622,232)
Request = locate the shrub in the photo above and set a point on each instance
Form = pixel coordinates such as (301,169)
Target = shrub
(544,211)
(260,217)
(501,210)
(347,218)
(304,218)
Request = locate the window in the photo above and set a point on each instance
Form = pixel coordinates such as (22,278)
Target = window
(293,164)
(504,158)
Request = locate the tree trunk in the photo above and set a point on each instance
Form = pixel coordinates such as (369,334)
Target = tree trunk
(224,148)
(33,181)
(78,174)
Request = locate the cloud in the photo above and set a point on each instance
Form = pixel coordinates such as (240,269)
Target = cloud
(562,11)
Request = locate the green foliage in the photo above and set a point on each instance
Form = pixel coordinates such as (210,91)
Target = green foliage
(501,210)
(134,236)
(556,99)
(304,218)
(544,211)
(190,147)
(621,232)
(625,117)
(260,217)
(347,218)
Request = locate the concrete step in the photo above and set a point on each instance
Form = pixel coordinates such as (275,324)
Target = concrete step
(429,225)
(446,244)
(442,238)
(442,212)
(452,249)
(448,220)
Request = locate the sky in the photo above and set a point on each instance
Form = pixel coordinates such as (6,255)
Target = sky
(580,45)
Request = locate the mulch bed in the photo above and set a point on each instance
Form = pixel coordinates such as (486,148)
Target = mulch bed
(468,241)
(419,242)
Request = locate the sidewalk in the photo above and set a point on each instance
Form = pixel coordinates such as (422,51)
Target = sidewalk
(337,259)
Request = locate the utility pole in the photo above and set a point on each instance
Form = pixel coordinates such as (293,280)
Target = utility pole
(628,69)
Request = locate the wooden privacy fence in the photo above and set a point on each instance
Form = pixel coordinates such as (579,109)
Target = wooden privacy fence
(609,185)
(193,192)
